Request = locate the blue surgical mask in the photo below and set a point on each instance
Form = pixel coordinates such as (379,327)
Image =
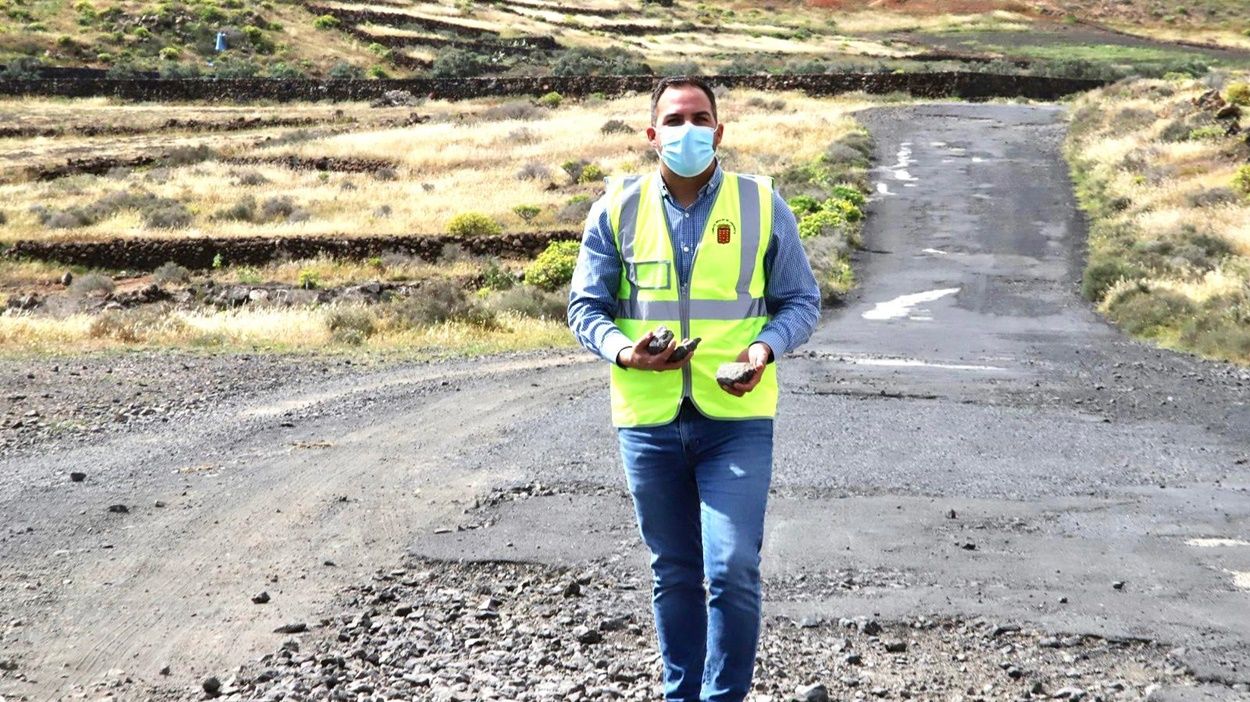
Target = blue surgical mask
(686,149)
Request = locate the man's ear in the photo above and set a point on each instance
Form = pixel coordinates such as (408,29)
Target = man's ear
(652,137)
(720,133)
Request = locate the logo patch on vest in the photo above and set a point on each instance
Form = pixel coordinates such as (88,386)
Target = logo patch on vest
(724,232)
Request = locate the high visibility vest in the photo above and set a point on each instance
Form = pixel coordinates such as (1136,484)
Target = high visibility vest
(723,303)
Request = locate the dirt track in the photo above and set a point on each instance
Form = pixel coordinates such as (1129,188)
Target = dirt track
(992,451)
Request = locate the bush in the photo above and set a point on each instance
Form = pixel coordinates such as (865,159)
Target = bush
(850,194)
(1211,131)
(496,277)
(574,168)
(342,70)
(1238,94)
(527,213)
(551,99)
(803,205)
(156,212)
(308,279)
(242,211)
(438,300)
(89,283)
(830,266)
(615,126)
(472,224)
(235,69)
(534,171)
(592,173)
(276,207)
(513,110)
(1241,181)
(284,71)
(529,301)
(458,63)
(553,268)
(581,61)
(1144,311)
(133,326)
(1101,275)
(350,325)
(326,22)
(170,272)
(821,223)
(575,210)
(250,178)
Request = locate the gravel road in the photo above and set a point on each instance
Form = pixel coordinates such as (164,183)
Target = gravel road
(982,491)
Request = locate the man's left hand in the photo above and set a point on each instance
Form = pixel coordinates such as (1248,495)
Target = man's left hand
(757,355)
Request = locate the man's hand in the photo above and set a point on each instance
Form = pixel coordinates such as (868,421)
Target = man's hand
(638,356)
(757,355)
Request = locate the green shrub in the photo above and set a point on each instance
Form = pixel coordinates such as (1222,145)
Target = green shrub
(581,61)
(1238,93)
(592,173)
(843,208)
(134,326)
(553,268)
(1147,311)
(1100,275)
(574,168)
(803,205)
(169,53)
(1211,131)
(342,70)
(527,213)
(821,223)
(1241,181)
(496,277)
(326,22)
(471,224)
(551,99)
(850,194)
(458,63)
(308,279)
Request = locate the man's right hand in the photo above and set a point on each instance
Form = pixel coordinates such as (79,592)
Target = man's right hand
(638,356)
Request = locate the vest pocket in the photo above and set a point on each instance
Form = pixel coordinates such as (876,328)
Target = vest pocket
(649,275)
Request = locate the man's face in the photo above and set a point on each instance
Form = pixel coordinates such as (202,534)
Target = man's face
(680,104)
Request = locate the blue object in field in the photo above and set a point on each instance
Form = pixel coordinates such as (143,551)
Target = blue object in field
(221,41)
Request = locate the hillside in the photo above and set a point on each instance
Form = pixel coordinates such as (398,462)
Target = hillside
(456,38)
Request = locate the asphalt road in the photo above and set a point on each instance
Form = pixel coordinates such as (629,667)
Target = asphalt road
(964,437)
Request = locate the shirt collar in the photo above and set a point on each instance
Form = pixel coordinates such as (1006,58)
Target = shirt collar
(714,182)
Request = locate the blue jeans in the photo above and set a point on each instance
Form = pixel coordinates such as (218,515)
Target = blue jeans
(700,487)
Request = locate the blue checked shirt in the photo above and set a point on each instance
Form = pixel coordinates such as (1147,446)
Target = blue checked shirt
(790,290)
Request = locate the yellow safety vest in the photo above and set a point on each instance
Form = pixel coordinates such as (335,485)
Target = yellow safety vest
(723,303)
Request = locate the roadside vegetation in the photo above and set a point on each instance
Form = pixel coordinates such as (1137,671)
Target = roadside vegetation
(478,170)
(1162,168)
(339,39)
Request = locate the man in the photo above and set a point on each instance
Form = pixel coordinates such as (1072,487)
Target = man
(716,255)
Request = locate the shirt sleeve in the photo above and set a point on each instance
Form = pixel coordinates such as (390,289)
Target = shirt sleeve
(791,293)
(592,294)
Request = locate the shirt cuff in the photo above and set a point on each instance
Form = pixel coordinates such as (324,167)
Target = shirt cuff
(612,345)
(774,341)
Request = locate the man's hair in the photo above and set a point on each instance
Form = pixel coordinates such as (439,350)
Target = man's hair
(680,81)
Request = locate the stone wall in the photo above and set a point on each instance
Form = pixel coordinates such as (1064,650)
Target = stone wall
(198,253)
(968,85)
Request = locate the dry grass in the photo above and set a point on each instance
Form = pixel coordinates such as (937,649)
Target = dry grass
(442,165)
(1170,236)
(276,330)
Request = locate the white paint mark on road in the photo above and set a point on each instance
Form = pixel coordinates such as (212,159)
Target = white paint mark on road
(883,189)
(937,143)
(937,252)
(902,305)
(902,174)
(899,170)
(977,159)
(1215,542)
(918,363)
(1241,578)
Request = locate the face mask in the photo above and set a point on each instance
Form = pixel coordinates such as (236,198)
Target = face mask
(687,149)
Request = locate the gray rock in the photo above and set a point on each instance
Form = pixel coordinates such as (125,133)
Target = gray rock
(660,339)
(260,598)
(684,349)
(729,373)
(813,693)
(292,628)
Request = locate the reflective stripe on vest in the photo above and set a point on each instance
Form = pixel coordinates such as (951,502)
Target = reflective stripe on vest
(723,304)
